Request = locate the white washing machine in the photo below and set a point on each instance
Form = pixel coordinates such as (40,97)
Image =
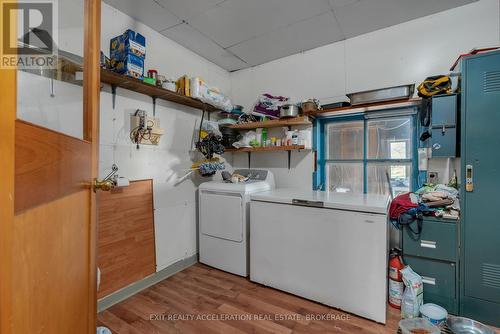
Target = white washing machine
(224,213)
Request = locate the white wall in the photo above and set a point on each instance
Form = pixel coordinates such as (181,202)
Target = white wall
(402,54)
(174,201)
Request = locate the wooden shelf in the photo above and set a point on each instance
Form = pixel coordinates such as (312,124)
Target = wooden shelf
(136,85)
(266,149)
(367,107)
(275,123)
(69,64)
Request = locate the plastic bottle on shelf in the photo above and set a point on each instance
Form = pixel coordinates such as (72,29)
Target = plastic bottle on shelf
(295,138)
(264,137)
(259,136)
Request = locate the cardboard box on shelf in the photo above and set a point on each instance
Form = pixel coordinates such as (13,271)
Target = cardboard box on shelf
(130,65)
(127,43)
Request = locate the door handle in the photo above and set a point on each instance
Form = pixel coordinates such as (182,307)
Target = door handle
(108,182)
(103,185)
(428,280)
(469,179)
(428,244)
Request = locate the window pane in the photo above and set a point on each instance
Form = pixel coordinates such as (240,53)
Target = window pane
(390,138)
(399,175)
(53,98)
(345,140)
(345,177)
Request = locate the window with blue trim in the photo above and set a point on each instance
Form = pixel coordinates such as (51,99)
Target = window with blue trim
(367,153)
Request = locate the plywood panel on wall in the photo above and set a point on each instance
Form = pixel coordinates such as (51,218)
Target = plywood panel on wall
(126,249)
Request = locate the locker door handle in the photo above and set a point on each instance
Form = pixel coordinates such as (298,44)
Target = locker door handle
(428,280)
(428,244)
(469,179)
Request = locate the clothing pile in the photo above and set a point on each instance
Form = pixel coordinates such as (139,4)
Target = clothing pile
(408,209)
(444,199)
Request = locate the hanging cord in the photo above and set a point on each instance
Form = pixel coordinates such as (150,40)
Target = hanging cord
(425,113)
(201,125)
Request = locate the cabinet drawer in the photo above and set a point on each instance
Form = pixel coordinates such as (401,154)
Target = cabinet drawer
(439,280)
(444,110)
(444,142)
(437,241)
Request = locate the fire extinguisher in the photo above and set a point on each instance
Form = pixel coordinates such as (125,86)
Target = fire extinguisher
(396,285)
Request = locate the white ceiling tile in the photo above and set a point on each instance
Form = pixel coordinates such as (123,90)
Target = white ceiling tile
(234,21)
(368,15)
(257,31)
(198,43)
(304,35)
(146,11)
(186,9)
(340,3)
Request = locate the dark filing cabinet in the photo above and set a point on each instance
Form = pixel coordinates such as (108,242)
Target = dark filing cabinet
(434,255)
(445,131)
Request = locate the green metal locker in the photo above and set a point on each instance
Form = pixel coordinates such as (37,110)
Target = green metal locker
(480,189)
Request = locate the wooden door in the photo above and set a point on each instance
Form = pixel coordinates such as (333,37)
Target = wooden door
(48,212)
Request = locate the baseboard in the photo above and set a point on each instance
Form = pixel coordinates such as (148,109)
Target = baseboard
(138,286)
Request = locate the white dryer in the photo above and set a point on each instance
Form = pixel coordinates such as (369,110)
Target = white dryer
(224,217)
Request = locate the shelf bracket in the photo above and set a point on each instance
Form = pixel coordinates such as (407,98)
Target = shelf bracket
(113,96)
(289,159)
(249,159)
(154,106)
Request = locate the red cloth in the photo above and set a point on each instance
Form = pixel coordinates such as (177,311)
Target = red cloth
(400,204)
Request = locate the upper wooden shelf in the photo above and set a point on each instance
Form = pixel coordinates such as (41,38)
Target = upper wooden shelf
(266,149)
(275,123)
(136,85)
(367,107)
(69,64)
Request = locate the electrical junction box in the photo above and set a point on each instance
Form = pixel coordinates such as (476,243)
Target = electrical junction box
(145,130)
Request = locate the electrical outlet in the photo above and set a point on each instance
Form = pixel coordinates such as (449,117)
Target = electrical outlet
(145,130)
(432,177)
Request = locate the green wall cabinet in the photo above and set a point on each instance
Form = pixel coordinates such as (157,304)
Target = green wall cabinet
(444,138)
(480,228)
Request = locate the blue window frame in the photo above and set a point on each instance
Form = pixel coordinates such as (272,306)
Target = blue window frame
(356,153)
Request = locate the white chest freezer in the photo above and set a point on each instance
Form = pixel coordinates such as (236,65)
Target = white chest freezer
(329,248)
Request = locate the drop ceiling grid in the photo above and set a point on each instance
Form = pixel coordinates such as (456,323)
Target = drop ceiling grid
(236,34)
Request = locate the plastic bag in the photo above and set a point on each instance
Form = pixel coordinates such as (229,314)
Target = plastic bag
(413,297)
(211,127)
(248,137)
(269,105)
(211,95)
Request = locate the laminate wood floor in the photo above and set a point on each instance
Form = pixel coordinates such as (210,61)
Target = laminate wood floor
(201,299)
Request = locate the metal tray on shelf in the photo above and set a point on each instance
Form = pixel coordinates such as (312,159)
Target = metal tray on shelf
(382,95)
